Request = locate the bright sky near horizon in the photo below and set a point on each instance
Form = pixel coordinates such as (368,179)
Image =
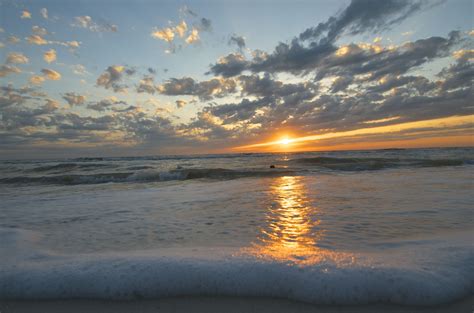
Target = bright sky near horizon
(84,78)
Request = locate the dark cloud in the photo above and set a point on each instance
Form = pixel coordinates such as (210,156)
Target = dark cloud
(205,25)
(112,77)
(305,52)
(74,99)
(239,41)
(205,90)
(105,104)
(362,16)
(147,85)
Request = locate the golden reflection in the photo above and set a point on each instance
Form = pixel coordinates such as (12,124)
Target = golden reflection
(289,221)
(292,229)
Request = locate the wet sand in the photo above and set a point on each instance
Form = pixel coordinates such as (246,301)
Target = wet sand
(217,304)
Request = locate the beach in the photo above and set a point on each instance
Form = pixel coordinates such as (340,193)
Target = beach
(219,304)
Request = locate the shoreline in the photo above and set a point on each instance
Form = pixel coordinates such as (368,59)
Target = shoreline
(218,304)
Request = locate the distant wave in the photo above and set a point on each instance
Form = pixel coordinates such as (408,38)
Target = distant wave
(143,176)
(368,164)
(69,167)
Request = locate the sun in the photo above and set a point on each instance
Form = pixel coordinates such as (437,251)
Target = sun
(285,141)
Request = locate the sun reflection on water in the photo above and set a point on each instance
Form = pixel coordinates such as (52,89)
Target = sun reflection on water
(292,230)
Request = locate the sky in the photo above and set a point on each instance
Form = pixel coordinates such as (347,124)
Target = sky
(130,78)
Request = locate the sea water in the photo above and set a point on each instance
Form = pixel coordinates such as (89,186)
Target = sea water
(347,227)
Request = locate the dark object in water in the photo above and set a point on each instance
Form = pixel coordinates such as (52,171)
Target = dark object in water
(272,166)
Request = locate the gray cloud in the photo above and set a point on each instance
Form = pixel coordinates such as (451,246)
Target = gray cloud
(94,26)
(205,90)
(237,40)
(73,98)
(306,51)
(112,77)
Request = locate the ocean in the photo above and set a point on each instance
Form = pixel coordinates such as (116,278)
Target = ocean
(346,227)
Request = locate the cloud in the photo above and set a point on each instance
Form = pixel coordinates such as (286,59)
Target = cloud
(51,74)
(180,103)
(8,69)
(86,22)
(36,40)
(307,50)
(79,69)
(50,56)
(44,13)
(13,40)
(181,29)
(107,104)
(166,34)
(25,14)
(181,34)
(193,36)
(37,80)
(112,77)
(205,90)
(230,65)
(239,41)
(74,99)
(40,31)
(205,24)
(16,58)
(147,85)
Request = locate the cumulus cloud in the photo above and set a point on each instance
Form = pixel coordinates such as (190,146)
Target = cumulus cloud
(306,50)
(180,103)
(40,31)
(166,34)
(147,85)
(112,77)
(50,56)
(193,36)
(13,40)
(25,14)
(44,13)
(74,99)
(6,69)
(37,79)
(181,31)
(86,22)
(51,74)
(36,40)
(107,104)
(79,69)
(16,58)
(205,90)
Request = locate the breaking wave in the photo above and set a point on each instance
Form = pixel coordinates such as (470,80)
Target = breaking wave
(439,272)
(144,176)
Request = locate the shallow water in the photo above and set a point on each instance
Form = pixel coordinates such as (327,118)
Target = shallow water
(320,227)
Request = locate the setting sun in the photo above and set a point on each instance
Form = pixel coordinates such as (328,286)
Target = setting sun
(285,141)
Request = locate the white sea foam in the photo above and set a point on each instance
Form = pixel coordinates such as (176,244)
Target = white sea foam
(436,273)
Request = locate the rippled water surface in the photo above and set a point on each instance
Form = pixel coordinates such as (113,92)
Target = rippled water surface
(312,208)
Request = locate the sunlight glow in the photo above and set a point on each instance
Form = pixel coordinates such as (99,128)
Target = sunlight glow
(440,123)
(285,141)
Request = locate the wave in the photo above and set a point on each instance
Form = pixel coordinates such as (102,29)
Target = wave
(429,275)
(367,164)
(143,176)
(63,167)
